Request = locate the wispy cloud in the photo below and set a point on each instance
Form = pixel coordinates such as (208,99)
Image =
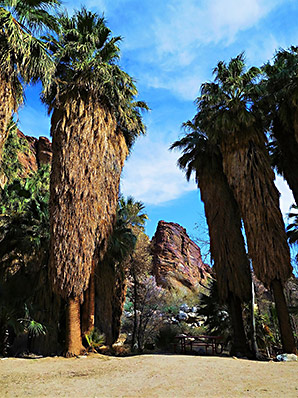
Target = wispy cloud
(151,175)
(184,86)
(190,25)
(181,36)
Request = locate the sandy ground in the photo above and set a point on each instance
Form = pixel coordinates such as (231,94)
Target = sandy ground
(147,376)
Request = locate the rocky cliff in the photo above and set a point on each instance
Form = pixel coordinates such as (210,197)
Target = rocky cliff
(40,153)
(177,260)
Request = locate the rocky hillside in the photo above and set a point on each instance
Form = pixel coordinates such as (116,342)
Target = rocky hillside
(40,153)
(177,260)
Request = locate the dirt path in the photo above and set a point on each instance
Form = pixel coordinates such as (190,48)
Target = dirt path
(147,376)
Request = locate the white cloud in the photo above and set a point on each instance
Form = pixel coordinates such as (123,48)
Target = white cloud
(151,174)
(286,197)
(262,50)
(188,25)
(181,36)
(185,86)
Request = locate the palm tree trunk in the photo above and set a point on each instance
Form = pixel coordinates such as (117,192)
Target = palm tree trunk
(239,345)
(287,338)
(288,146)
(135,308)
(88,156)
(110,297)
(254,344)
(226,239)
(105,279)
(88,306)
(227,246)
(248,170)
(7,105)
(118,300)
(74,345)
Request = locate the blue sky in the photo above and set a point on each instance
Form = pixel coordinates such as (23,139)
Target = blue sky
(170,47)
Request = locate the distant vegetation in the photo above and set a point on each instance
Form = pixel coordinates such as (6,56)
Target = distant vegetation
(73,251)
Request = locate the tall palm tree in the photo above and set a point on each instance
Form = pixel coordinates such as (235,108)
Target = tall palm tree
(227,247)
(280,99)
(23,57)
(111,272)
(229,113)
(94,123)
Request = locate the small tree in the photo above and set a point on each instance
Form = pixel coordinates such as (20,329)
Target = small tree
(147,302)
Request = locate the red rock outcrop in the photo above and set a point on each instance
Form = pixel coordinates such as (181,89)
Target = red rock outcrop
(40,153)
(177,260)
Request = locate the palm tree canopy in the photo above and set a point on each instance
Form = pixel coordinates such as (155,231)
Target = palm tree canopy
(281,85)
(30,15)
(280,102)
(24,57)
(132,212)
(228,104)
(86,56)
(198,152)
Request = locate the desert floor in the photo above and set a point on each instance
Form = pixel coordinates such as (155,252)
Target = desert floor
(147,376)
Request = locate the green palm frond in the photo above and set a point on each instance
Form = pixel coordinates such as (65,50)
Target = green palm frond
(23,56)
(228,104)
(198,152)
(24,219)
(86,66)
(292,228)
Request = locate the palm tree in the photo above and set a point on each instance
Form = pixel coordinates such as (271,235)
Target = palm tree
(292,228)
(280,100)
(23,57)
(111,272)
(94,123)
(229,113)
(231,263)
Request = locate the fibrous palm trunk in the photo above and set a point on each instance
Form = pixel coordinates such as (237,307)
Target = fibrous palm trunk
(88,306)
(73,328)
(288,147)
(110,297)
(88,156)
(239,346)
(227,245)
(7,106)
(247,167)
(105,280)
(287,338)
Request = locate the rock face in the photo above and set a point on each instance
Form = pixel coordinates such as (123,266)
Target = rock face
(40,153)
(177,260)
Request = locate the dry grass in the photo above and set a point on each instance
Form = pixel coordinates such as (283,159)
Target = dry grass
(147,376)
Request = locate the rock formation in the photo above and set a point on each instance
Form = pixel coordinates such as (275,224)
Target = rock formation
(40,153)
(177,260)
